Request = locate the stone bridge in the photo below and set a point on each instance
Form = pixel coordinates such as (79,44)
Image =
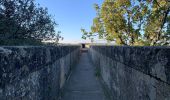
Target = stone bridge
(102,73)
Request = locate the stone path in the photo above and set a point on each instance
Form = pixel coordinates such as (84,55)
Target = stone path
(83,84)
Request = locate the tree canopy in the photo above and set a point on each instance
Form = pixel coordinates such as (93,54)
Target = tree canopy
(132,22)
(23,19)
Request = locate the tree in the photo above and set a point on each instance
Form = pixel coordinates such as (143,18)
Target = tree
(131,22)
(167,34)
(23,19)
(168,28)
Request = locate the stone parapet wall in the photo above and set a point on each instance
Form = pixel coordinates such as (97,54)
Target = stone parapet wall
(134,73)
(35,72)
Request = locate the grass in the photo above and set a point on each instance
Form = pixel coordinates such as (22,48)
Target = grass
(98,72)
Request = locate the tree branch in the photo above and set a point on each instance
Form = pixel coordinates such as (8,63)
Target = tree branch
(122,42)
(163,23)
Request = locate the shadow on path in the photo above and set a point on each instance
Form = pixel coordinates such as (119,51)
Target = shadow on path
(83,84)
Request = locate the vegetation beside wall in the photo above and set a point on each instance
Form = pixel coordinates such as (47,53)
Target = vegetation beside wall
(11,42)
(132,22)
(25,22)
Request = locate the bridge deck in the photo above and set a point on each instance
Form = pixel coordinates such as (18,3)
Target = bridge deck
(83,84)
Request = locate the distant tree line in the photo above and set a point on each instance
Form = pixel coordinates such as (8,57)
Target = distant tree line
(23,19)
(132,22)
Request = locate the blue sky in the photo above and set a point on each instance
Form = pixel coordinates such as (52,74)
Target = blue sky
(71,15)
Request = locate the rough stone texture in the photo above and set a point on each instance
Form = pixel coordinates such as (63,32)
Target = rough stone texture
(134,73)
(35,73)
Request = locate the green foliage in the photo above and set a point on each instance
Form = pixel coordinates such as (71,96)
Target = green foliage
(98,72)
(131,22)
(24,20)
(21,42)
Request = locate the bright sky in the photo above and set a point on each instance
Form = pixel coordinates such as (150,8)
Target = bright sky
(71,15)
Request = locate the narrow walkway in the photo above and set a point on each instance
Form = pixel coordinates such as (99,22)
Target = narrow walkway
(83,84)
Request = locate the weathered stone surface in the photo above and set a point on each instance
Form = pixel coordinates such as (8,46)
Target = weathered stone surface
(134,73)
(34,73)
(83,84)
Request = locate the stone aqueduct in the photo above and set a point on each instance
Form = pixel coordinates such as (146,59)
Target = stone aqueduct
(126,73)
